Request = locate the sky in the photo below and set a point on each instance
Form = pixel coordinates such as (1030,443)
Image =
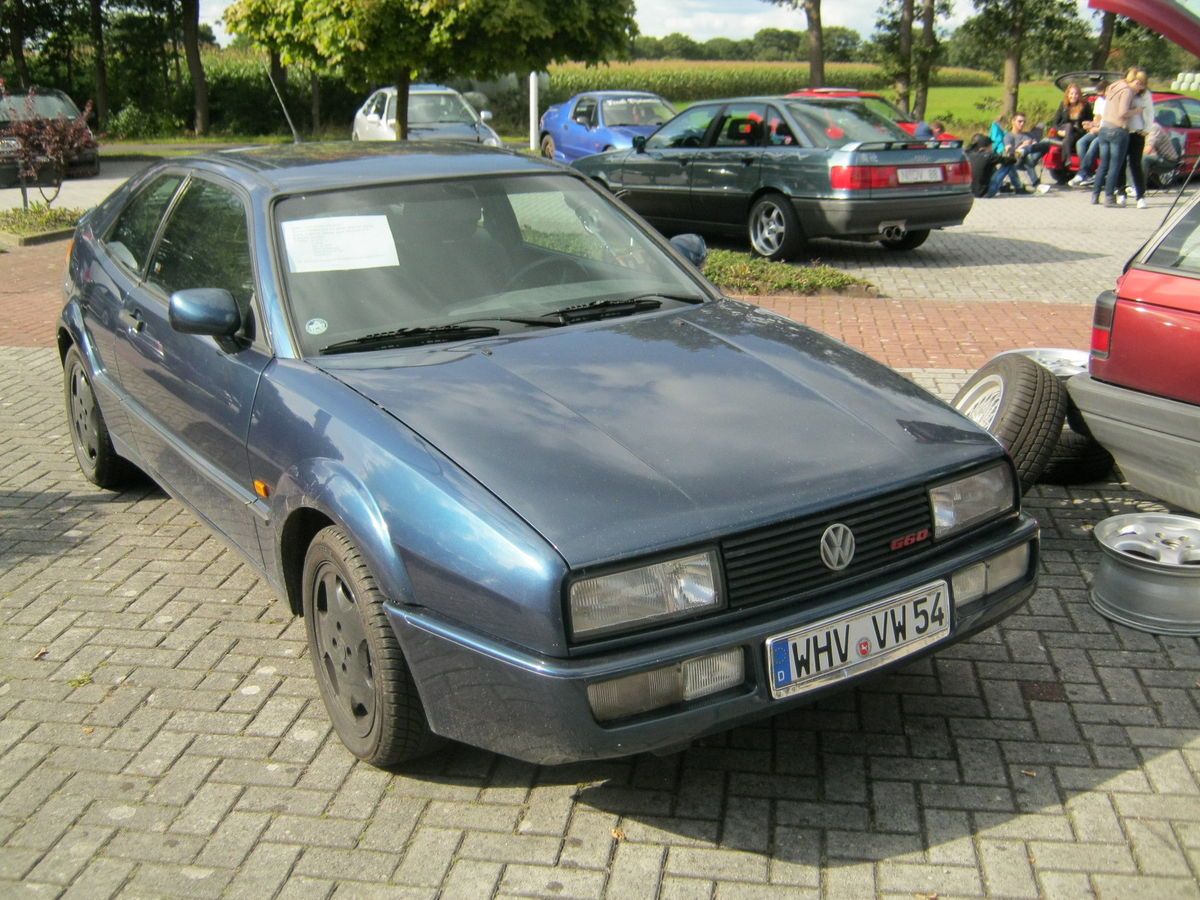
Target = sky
(704,19)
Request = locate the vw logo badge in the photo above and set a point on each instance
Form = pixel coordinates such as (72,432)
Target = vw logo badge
(837,546)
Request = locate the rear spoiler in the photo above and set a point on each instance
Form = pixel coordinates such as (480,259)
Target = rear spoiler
(913,144)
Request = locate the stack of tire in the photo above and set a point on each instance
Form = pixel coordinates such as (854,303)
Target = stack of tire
(1021,398)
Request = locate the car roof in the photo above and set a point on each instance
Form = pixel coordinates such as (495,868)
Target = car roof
(292,168)
(613,93)
(418,89)
(832,92)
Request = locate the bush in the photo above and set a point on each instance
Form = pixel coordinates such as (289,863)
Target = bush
(132,122)
(37,218)
(741,273)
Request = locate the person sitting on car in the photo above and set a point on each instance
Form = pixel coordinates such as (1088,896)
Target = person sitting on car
(1071,121)
(1086,146)
(1026,151)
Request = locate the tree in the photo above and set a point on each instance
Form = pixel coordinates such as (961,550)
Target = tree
(1104,41)
(191,49)
(679,46)
(44,146)
(96,27)
(816,48)
(14,15)
(904,53)
(842,44)
(776,44)
(924,56)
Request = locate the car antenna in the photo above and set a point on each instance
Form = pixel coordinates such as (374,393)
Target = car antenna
(296,139)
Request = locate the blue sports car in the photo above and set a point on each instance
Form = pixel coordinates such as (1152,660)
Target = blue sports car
(532,482)
(600,121)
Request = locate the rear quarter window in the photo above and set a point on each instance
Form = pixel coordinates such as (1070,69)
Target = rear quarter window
(1180,249)
(836,124)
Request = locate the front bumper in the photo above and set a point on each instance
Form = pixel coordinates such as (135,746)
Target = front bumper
(1155,441)
(831,217)
(482,692)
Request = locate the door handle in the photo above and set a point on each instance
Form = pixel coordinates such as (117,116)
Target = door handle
(133,320)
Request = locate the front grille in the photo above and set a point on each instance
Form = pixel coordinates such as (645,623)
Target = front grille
(784,560)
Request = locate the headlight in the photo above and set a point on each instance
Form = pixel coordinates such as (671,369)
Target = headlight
(492,141)
(960,504)
(623,600)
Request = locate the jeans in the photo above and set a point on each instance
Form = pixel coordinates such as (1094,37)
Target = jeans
(1113,143)
(1088,151)
(1004,170)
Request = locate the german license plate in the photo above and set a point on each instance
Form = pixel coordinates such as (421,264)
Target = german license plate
(858,641)
(919,176)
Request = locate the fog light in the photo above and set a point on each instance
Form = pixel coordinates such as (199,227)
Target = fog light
(688,680)
(1000,571)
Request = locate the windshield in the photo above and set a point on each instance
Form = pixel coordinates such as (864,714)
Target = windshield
(835,123)
(386,257)
(636,111)
(438,109)
(13,107)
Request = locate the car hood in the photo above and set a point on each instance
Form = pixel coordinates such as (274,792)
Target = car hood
(629,132)
(448,131)
(626,437)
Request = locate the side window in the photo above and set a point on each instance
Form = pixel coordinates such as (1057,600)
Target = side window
(778,132)
(377,108)
(1191,112)
(685,130)
(205,245)
(585,112)
(741,125)
(1180,249)
(390,108)
(130,238)
(1170,114)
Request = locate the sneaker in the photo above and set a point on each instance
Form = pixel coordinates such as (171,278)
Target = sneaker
(1130,192)
(1043,188)
(1076,181)
(1108,200)
(1087,182)
(1120,200)
(1142,204)
(1095,199)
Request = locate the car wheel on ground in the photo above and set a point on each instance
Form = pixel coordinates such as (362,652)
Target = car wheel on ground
(1076,459)
(1023,404)
(361,673)
(910,241)
(774,228)
(548,147)
(98,460)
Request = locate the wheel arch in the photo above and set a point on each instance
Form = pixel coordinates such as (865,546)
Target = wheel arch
(297,534)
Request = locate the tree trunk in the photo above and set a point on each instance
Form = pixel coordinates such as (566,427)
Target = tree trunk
(816,44)
(1012,70)
(279,71)
(925,54)
(16,43)
(173,27)
(1104,44)
(101,65)
(191,48)
(402,82)
(314,81)
(904,60)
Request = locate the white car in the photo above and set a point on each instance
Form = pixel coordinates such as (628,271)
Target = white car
(435,113)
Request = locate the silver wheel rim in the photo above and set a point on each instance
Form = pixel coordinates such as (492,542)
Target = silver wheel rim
(1166,540)
(982,403)
(83,416)
(768,230)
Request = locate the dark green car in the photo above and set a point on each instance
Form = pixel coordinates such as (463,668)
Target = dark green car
(783,171)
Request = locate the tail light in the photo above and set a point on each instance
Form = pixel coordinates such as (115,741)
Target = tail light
(862,178)
(958,173)
(1102,323)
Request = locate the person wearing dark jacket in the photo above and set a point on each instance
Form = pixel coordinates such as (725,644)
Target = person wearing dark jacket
(1071,121)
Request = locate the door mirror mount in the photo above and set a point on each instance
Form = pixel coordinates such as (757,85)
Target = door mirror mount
(639,143)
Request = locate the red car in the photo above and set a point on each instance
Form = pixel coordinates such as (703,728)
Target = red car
(874,102)
(1141,396)
(1177,113)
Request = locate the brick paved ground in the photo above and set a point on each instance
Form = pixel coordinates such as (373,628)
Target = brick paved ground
(160,732)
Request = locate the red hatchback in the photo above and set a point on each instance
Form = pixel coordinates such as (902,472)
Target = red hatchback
(874,102)
(1141,396)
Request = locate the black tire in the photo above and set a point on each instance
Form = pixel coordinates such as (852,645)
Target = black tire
(911,240)
(99,462)
(773,228)
(1023,404)
(364,681)
(1076,459)
(548,146)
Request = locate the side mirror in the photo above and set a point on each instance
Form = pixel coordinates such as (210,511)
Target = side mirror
(373,117)
(639,143)
(486,115)
(692,248)
(583,120)
(211,311)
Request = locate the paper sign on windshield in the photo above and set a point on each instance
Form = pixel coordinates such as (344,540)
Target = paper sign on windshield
(338,243)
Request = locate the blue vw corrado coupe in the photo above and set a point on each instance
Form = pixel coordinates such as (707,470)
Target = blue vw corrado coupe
(531,481)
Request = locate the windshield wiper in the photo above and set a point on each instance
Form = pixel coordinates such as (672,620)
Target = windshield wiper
(604,309)
(411,337)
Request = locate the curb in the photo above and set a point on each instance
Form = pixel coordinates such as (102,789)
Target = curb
(8,239)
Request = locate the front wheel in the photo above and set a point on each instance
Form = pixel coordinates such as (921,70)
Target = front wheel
(364,681)
(910,241)
(548,147)
(94,451)
(774,228)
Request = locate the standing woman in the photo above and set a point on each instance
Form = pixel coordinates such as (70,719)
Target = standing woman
(1141,117)
(1070,120)
(1113,140)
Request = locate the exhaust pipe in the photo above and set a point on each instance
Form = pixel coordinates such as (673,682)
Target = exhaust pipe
(892,232)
